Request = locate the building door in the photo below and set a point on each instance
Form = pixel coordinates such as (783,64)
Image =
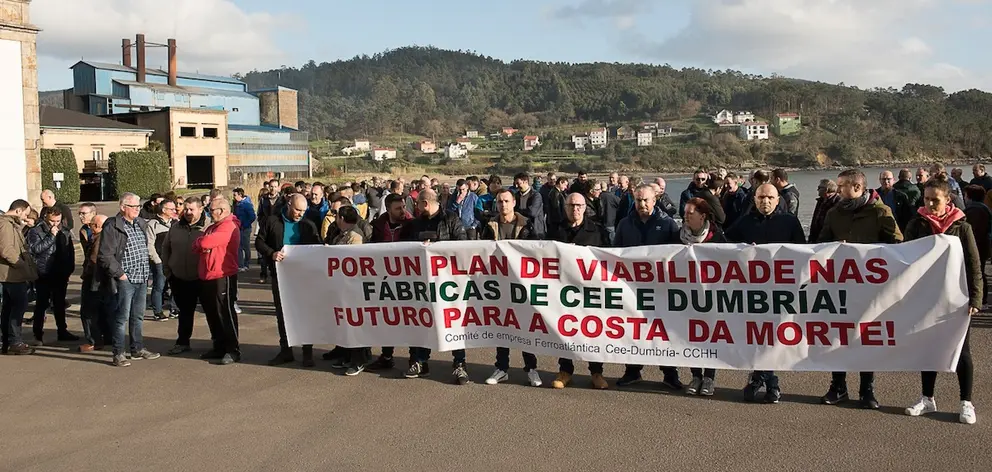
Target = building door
(200,172)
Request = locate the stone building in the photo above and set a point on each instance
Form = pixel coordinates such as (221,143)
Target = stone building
(20,134)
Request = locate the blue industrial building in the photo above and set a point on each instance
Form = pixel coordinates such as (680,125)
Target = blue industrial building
(263,135)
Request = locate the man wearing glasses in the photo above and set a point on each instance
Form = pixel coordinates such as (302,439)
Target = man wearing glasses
(124,263)
(218,248)
(604,206)
(697,186)
(581,231)
(897,201)
(87,211)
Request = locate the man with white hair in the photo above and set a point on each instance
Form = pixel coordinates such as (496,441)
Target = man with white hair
(664,201)
(124,265)
(218,248)
(49,201)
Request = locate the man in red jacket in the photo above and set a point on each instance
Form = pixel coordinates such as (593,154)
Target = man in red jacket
(218,269)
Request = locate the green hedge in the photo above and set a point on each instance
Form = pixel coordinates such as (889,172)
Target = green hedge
(139,172)
(64,161)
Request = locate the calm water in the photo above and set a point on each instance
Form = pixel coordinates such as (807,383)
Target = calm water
(805,181)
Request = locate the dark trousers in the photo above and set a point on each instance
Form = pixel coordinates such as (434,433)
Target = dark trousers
(244,251)
(766,377)
(503,360)
(635,369)
(51,292)
(218,298)
(708,373)
(15,303)
(186,293)
(264,265)
(95,312)
(985,283)
(280,320)
(839,381)
(965,371)
(566,365)
(423,354)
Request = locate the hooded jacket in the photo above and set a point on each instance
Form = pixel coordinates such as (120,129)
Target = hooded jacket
(245,212)
(54,255)
(156,230)
(870,224)
(178,258)
(920,227)
(16,263)
(790,199)
(777,228)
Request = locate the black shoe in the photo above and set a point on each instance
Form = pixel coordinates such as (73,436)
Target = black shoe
(835,396)
(418,370)
(211,355)
(629,379)
(382,363)
(460,374)
(773,395)
(67,336)
(333,354)
(672,383)
(868,401)
(308,358)
(228,359)
(160,317)
(751,390)
(285,356)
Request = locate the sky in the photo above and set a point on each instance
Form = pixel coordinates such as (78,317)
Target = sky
(866,43)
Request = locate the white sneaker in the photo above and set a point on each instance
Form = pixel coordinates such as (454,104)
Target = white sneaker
(968,415)
(237,309)
(534,378)
(497,377)
(923,406)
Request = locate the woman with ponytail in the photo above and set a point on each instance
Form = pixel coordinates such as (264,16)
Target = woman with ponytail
(939,216)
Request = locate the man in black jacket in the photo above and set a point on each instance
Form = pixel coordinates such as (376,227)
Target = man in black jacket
(180,267)
(766,224)
(530,204)
(432,225)
(734,199)
(581,231)
(50,243)
(48,200)
(605,206)
(789,194)
(124,267)
(270,243)
(981,178)
(268,205)
(555,204)
(647,226)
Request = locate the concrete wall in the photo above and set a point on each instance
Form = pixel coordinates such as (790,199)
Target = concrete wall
(180,147)
(280,108)
(84,142)
(18,35)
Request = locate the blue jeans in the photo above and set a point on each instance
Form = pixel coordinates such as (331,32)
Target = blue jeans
(15,303)
(611,231)
(244,252)
(130,312)
(158,287)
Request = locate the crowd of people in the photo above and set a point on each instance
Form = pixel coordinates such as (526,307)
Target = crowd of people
(192,251)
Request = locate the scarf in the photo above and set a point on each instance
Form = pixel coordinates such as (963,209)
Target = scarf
(852,204)
(940,224)
(690,237)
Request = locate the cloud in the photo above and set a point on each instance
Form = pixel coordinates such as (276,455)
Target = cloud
(622,12)
(213,36)
(858,42)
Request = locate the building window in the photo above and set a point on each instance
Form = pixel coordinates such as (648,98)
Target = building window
(234,109)
(209,132)
(187,131)
(98,154)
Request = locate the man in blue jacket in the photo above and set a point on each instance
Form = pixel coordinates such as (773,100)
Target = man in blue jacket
(244,211)
(463,205)
(649,226)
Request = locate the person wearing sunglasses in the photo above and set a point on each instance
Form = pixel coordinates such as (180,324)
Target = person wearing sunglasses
(696,188)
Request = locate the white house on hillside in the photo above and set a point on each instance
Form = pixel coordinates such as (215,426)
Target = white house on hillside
(597,138)
(580,141)
(471,133)
(382,154)
(644,138)
(531,142)
(743,117)
(363,145)
(725,116)
(754,130)
(467,143)
(455,151)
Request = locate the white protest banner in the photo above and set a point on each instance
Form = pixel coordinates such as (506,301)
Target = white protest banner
(826,307)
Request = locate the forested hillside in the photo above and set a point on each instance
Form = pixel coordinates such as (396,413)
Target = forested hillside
(430,91)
